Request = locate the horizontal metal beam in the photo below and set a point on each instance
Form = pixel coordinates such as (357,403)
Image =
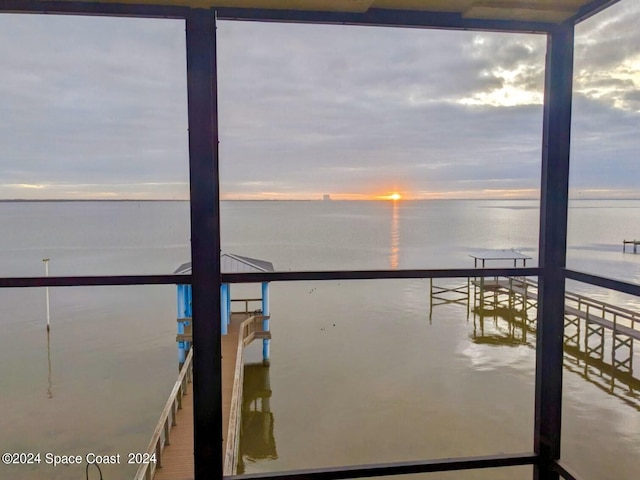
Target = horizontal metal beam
(93,8)
(81,281)
(24,282)
(564,471)
(377,274)
(372,17)
(384,18)
(401,468)
(598,281)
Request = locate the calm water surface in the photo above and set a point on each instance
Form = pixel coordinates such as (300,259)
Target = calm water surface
(361,371)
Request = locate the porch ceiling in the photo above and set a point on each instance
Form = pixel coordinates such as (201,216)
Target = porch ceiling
(546,11)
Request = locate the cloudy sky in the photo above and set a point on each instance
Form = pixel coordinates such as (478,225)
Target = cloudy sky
(96,108)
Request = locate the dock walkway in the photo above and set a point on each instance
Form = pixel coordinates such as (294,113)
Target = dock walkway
(174,443)
(619,320)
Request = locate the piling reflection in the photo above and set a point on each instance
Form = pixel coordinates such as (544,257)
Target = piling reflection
(257,441)
(49,377)
(488,329)
(496,324)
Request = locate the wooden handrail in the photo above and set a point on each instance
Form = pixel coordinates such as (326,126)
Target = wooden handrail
(582,300)
(233,429)
(613,310)
(246,303)
(618,316)
(160,436)
(596,303)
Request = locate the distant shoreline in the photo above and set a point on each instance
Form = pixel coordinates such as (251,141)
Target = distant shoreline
(147,200)
(68,200)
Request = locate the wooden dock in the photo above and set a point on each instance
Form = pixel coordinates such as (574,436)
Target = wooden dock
(591,327)
(620,321)
(172,441)
(633,243)
(598,335)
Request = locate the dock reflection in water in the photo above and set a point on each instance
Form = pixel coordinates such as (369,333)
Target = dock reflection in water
(257,441)
(501,325)
(499,320)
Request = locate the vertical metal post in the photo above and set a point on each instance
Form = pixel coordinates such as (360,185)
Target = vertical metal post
(265,322)
(553,244)
(205,242)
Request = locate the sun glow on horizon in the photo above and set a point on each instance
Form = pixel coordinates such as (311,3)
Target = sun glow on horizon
(394,196)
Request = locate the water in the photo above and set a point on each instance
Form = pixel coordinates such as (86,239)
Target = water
(360,372)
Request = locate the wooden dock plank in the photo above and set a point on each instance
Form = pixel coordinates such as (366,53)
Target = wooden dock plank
(177,458)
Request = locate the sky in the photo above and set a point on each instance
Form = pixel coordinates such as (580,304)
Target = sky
(96,108)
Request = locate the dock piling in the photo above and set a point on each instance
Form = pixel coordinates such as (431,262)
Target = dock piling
(265,322)
(224,308)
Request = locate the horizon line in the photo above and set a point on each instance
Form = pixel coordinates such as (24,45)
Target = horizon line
(43,200)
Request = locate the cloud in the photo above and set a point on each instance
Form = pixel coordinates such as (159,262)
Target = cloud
(96,107)
(514,62)
(92,100)
(607,57)
(357,110)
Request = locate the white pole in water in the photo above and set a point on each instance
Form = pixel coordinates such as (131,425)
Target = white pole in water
(46,272)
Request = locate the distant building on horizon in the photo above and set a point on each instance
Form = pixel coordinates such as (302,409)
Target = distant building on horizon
(326,197)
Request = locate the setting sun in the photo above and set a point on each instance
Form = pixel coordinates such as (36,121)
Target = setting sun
(395,196)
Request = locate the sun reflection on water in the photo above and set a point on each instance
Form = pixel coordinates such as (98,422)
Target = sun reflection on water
(395,236)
